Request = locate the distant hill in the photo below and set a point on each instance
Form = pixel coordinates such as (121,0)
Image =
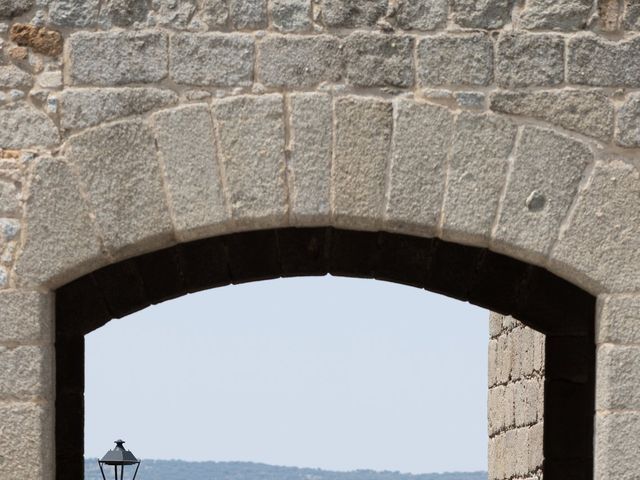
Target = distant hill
(181,470)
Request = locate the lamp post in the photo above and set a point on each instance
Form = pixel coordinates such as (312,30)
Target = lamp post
(119,457)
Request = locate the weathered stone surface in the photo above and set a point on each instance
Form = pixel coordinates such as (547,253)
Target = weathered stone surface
(73,13)
(248,14)
(422,14)
(86,107)
(116,58)
(12,77)
(212,59)
(13,8)
(422,135)
(26,372)
(118,167)
(543,182)
(618,319)
(124,13)
(14,133)
(9,198)
(27,316)
(617,443)
(628,122)
(588,112)
(214,13)
(291,15)
(309,166)
(565,15)
(251,133)
(169,13)
(471,100)
(60,237)
(50,80)
(477,172)
(632,15)
(352,13)
(525,59)
(473,63)
(39,39)
(618,377)
(487,14)
(610,253)
(594,60)
(188,153)
(299,61)
(375,59)
(362,142)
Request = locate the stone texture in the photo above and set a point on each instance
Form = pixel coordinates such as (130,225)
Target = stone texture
(617,443)
(525,59)
(485,14)
(27,316)
(248,14)
(14,133)
(86,107)
(628,122)
(291,15)
(124,13)
(299,61)
(593,60)
(188,153)
(477,172)
(564,15)
(352,13)
(375,60)
(618,377)
(587,112)
(422,135)
(474,60)
(13,77)
(73,13)
(309,165)
(26,372)
(212,59)
(608,255)
(116,58)
(251,134)
(632,15)
(9,198)
(362,142)
(13,8)
(39,39)
(422,14)
(214,13)
(169,13)
(618,319)
(541,186)
(118,167)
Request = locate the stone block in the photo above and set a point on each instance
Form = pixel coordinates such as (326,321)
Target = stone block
(212,59)
(496,409)
(9,198)
(525,60)
(546,172)
(590,113)
(505,355)
(631,15)
(418,166)
(593,60)
(617,443)
(116,58)
(27,316)
(477,173)
(13,8)
(13,77)
(526,402)
(87,107)
(14,118)
(124,13)
(73,13)
(352,13)
(118,166)
(618,377)
(187,150)
(299,61)
(291,15)
(485,14)
(495,324)
(379,60)
(473,65)
(603,258)
(214,13)
(309,166)
(493,362)
(628,122)
(252,142)
(618,319)
(172,14)
(562,15)
(422,15)
(60,241)
(471,100)
(248,14)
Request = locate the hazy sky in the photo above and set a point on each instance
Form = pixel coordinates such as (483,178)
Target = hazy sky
(317,372)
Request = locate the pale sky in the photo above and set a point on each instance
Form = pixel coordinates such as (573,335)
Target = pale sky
(323,372)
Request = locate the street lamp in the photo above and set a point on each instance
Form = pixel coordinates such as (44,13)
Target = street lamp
(119,457)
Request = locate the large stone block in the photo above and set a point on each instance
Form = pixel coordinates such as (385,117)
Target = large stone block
(547,169)
(618,319)
(26,372)
(628,122)
(486,14)
(73,13)
(13,8)
(212,59)
(60,238)
(477,173)
(116,58)
(187,151)
(252,142)
(291,15)
(352,13)
(118,166)
(27,316)
(603,258)
(422,14)
(379,60)
(23,126)
(418,166)
(248,14)
(525,60)
(618,377)
(563,15)
(362,143)
(299,61)
(473,65)
(309,166)
(617,443)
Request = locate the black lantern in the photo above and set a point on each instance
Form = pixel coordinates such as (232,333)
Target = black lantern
(119,457)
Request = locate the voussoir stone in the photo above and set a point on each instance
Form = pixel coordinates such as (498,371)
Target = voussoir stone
(212,59)
(252,143)
(618,377)
(486,14)
(588,112)
(13,8)
(618,319)
(73,13)
(291,15)
(13,77)
(352,13)
(187,150)
(23,126)
(628,122)
(418,165)
(27,316)
(525,59)
(118,166)
(116,58)
(86,107)
(617,443)
(248,14)
(421,14)
(546,172)
(564,15)
(299,61)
